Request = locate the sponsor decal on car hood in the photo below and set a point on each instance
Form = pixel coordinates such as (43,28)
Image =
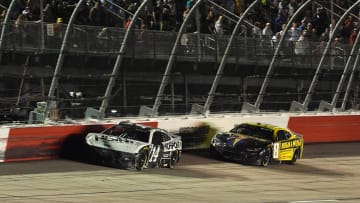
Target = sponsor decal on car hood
(113,143)
(244,141)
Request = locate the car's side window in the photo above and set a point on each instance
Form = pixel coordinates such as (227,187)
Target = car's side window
(136,135)
(157,138)
(160,137)
(117,131)
(142,136)
(287,134)
(282,135)
(165,137)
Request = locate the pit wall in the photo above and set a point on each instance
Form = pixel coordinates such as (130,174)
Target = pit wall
(35,142)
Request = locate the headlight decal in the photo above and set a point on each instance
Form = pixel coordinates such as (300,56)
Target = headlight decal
(215,141)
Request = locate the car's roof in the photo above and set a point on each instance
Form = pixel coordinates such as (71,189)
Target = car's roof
(135,126)
(265,125)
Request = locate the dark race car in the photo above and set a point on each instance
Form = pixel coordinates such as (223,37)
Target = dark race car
(259,143)
(137,146)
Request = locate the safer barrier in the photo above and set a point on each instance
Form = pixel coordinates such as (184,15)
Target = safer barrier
(46,141)
(21,143)
(335,128)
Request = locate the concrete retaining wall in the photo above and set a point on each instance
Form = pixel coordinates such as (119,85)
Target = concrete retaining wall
(34,142)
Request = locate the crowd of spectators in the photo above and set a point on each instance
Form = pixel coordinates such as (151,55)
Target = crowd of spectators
(312,27)
(269,17)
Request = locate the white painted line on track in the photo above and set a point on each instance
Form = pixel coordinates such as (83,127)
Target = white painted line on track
(310,201)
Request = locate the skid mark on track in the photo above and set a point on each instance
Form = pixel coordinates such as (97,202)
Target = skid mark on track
(300,168)
(199,172)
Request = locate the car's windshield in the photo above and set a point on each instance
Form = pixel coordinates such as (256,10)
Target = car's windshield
(138,135)
(114,130)
(128,132)
(254,131)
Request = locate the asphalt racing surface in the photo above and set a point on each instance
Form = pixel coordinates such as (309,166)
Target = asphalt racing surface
(327,173)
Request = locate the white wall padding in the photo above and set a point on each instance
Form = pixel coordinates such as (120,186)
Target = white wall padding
(4,134)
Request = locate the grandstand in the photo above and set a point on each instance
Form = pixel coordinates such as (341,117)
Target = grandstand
(76,59)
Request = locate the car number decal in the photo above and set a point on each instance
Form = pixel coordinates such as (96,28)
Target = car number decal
(171,146)
(276,150)
(154,153)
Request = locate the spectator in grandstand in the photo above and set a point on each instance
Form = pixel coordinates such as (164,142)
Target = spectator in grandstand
(281,5)
(157,15)
(141,36)
(275,40)
(292,6)
(20,29)
(229,5)
(27,13)
(172,6)
(325,35)
(323,40)
(311,33)
(266,36)
(256,30)
(57,36)
(267,32)
(294,32)
(284,14)
(48,13)
(209,22)
(132,7)
(238,6)
(286,47)
(266,11)
(337,50)
(347,29)
(2,14)
(65,9)
(83,16)
(320,20)
(104,39)
(352,36)
(127,23)
(191,24)
(302,47)
(150,20)
(303,25)
(96,14)
(170,15)
(278,22)
(165,20)
(187,37)
(189,4)
(219,27)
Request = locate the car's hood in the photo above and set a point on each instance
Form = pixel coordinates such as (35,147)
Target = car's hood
(242,141)
(114,143)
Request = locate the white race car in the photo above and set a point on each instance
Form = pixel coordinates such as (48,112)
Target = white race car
(137,146)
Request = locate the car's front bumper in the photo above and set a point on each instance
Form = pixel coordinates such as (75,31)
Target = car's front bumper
(239,155)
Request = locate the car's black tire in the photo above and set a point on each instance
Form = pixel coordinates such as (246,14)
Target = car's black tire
(214,153)
(265,157)
(295,157)
(141,159)
(174,159)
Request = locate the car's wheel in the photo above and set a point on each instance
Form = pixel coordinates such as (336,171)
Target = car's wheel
(295,157)
(214,153)
(141,159)
(265,157)
(174,159)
